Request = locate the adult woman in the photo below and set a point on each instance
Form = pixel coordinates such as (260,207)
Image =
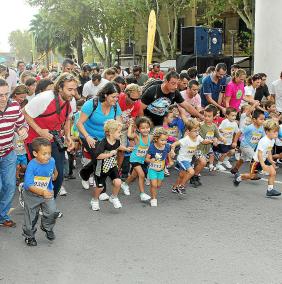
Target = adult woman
(20,94)
(91,124)
(44,85)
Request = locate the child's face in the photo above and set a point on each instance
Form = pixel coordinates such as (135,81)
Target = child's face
(208,116)
(116,134)
(43,155)
(272,134)
(162,140)
(169,117)
(194,133)
(144,129)
(231,116)
(272,108)
(259,121)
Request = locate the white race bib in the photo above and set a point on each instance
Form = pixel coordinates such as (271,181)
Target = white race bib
(42,182)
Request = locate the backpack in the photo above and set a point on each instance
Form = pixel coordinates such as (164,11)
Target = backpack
(95,105)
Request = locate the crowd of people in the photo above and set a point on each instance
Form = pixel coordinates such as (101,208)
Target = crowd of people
(129,125)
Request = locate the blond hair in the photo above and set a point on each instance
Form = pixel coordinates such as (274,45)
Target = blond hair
(192,124)
(132,88)
(111,126)
(271,125)
(158,132)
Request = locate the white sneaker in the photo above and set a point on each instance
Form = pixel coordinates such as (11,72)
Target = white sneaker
(104,196)
(115,202)
(166,172)
(63,191)
(237,156)
(94,204)
(60,215)
(91,181)
(125,188)
(220,167)
(144,196)
(154,202)
(227,164)
(147,181)
(85,184)
(212,168)
(41,213)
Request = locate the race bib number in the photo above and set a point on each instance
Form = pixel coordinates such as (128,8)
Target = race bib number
(173,131)
(255,138)
(42,182)
(210,135)
(228,132)
(157,166)
(141,151)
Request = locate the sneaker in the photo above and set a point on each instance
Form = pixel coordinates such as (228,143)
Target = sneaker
(166,172)
(264,173)
(31,242)
(220,167)
(193,183)
(91,181)
(144,196)
(50,235)
(104,196)
(63,191)
(20,188)
(237,156)
(279,161)
(40,212)
(236,182)
(227,164)
(60,215)
(115,201)
(176,167)
(94,205)
(197,180)
(212,168)
(273,192)
(154,202)
(147,182)
(182,189)
(85,184)
(175,189)
(234,171)
(125,188)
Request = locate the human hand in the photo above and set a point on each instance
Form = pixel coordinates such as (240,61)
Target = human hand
(234,145)
(70,143)
(44,133)
(91,142)
(129,149)
(113,152)
(23,133)
(48,194)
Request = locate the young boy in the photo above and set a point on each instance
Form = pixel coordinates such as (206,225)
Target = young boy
(262,159)
(38,192)
(188,146)
(251,135)
(227,128)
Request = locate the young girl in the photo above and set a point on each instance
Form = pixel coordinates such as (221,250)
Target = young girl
(142,141)
(106,163)
(158,152)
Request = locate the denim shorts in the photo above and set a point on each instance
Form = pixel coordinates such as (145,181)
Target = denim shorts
(152,174)
(184,165)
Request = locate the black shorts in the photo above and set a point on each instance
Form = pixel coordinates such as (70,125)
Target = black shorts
(101,180)
(255,167)
(143,166)
(222,149)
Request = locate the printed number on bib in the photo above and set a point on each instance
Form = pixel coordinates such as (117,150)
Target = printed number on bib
(41,182)
(141,151)
(255,138)
(157,166)
(173,132)
(210,135)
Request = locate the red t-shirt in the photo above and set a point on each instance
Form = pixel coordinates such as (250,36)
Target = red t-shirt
(159,75)
(128,111)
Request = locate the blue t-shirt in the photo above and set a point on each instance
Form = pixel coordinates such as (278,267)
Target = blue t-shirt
(180,124)
(39,175)
(159,155)
(251,136)
(210,87)
(95,125)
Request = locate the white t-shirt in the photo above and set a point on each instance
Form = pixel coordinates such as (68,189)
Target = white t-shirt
(265,145)
(275,89)
(188,148)
(40,102)
(227,130)
(244,121)
(250,92)
(12,79)
(90,90)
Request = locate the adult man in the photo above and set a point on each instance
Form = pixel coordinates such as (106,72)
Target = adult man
(262,91)
(67,65)
(121,72)
(84,77)
(156,73)
(20,68)
(157,99)
(51,111)
(92,87)
(138,75)
(183,81)
(10,76)
(11,121)
(213,87)
(276,92)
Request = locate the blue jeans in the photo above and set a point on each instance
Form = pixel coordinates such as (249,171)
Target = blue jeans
(8,166)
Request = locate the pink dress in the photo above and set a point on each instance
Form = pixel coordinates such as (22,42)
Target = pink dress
(236,92)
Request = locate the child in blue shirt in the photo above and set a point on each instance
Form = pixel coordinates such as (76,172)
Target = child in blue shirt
(38,192)
(158,152)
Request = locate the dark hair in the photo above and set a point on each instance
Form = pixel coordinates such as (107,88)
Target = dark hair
(137,68)
(119,80)
(131,80)
(211,108)
(262,75)
(192,72)
(220,66)
(42,85)
(68,61)
(30,81)
(39,142)
(20,89)
(235,66)
(96,77)
(193,82)
(97,68)
(3,83)
(110,71)
(156,64)
(183,75)
(257,113)
(171,75)
(20,62)
(143,119)
(256,77)
(108,89)
(268,104)
(86,68)
(117,67)
(172,107)
(229,110)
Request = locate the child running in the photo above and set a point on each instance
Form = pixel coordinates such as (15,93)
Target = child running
(158,152)
(142,141)
(38,192)
(106,163)
(262,159)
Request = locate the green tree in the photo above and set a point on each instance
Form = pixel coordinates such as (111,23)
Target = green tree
(21,45)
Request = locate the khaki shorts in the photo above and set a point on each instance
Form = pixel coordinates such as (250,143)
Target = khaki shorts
(247,154)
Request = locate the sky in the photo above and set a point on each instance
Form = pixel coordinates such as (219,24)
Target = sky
(15,14)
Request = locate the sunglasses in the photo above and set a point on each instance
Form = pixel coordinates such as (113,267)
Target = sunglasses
(133,99)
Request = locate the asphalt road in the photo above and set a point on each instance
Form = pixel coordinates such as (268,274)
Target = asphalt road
(215,234)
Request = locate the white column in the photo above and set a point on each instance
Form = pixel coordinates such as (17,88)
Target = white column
(268,38)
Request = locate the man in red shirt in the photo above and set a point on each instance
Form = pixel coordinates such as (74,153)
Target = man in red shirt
(156,73)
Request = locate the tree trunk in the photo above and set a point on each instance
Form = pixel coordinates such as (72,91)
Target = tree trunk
(109,49)
(95,47)
(79,41)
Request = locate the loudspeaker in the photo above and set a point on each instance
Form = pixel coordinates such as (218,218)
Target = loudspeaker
(201,41)
(183,62)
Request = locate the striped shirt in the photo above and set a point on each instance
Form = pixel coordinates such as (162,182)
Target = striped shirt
(10,120)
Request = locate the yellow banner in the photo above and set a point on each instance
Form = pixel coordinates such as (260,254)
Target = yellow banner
(152,23)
